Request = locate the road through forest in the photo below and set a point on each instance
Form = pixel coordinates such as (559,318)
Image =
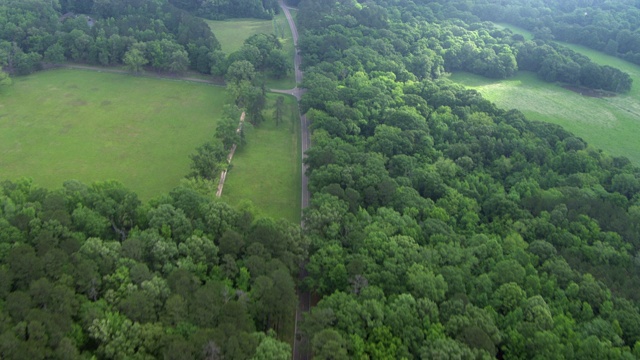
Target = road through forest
(301,346)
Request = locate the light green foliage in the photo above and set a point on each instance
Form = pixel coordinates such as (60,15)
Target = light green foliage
(134,60)
(272,349)
(5,80)
(424,283)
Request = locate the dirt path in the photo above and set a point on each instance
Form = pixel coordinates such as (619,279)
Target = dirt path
(223,174)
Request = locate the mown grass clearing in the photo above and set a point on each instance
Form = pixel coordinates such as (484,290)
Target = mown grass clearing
(232,33)
(611,124)
(516,30)
(71,124)
(267,169)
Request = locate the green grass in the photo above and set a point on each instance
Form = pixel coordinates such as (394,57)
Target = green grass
(516,30)
(611,124)
(267,169)
(72,124)
(232,33)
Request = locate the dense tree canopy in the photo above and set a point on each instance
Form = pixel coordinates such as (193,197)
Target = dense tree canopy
(442,226)
(89,270)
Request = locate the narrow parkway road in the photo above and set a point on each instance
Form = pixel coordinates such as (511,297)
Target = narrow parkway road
(297,92)
(301,346)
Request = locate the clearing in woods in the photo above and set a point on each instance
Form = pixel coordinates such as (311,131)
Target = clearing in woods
(72,124)
(233,32)
(608,123)
(267,169)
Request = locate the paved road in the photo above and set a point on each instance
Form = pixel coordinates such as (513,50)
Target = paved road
(297,92)
(297,59)
(301,348)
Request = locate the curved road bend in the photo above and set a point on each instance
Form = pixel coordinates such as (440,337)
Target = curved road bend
(301,346)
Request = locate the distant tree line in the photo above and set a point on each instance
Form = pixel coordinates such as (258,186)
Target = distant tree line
(553,62)
(146,33)
(223,9)
(429,40)
(168,39)
(608,26)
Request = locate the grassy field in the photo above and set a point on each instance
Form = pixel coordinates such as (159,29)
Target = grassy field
(611,124)
(232,33)
(72,124)
(267,169)
(516,30)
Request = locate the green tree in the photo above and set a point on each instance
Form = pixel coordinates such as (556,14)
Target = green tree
(272,349)
(5,80)
(208,160)
(178,61)
(279,63)
(134,59)
(329,344)
(227,132)
(239,71)
(424,283)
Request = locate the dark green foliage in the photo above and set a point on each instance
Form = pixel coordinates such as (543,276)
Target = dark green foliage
(555,63)
(167,38)
(440,226)
(223,9)
(95,272)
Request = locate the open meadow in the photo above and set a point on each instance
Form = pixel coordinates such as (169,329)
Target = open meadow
(267,169)
(233,32)
(609,123)
(72,124)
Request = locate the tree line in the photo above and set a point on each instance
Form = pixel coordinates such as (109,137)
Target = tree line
(223,9)
(441,226)
(429,40)
(608,26)
(149,33)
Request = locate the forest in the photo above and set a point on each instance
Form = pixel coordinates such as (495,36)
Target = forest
(440,226)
